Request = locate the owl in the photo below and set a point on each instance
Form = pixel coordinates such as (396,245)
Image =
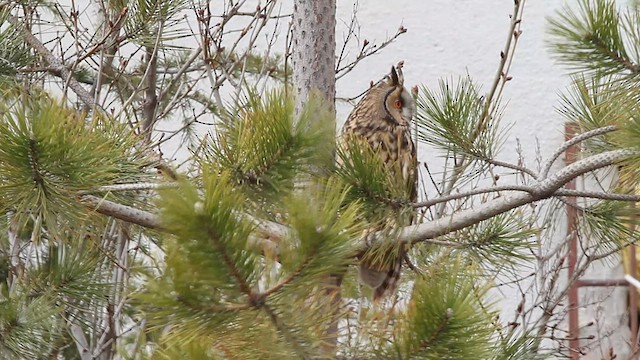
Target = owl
(382,121)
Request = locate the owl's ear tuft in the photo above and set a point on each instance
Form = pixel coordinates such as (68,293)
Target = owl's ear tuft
(394,77)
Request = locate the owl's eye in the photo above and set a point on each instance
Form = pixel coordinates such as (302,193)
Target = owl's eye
(397,104)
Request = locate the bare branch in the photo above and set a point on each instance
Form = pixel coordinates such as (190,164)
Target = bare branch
(56,67)
(122,212)
(597,195)
(502,74)
(529,189)
(132,186)
(425,232)
(366,51)
(268,231)
(544,189)
(512,166)
(575,140)
(150,104)
(465,194)
(80,339)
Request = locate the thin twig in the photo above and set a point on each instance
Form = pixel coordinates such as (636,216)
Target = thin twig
(507,165)
(466,194)
(506,56)
(366,51)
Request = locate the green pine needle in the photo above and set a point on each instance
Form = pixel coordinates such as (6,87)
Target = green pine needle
(594,102)
(48,154)
(325,234)
(71,274)
(29,328)
(210,235)
(503,239)
(14,52)
(518,346)
(446,318)
(591,38)
(605,225)
(267,147)
(209,272)
(449,119)
(145,17)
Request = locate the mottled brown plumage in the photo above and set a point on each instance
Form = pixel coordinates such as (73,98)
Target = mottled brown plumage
(382,119)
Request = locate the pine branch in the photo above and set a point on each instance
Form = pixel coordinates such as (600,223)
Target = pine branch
(425,344)
(574,141)
(282,329)
(267,229)
(591,38)
(289,278)
(616,56)
(542,190)
(57,67)
(241,281)
(428,231)
(131,186)
(122,212)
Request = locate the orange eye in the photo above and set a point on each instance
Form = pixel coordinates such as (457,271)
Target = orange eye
(397,104)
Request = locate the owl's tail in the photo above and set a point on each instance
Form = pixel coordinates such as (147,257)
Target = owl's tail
(382,282)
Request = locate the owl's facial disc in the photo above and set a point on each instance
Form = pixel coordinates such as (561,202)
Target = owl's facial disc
(409,108)
(400,106)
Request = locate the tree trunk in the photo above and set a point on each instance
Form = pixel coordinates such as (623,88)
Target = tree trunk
(313,58)
(313,50)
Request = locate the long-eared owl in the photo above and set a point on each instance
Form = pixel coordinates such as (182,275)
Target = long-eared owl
(382,120)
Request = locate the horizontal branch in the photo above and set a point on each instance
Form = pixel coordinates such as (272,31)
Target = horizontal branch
(460,220)
(268,231)
(425,232)
(597,195)
(529,189)
(122,212)
(542,190)
(132,187)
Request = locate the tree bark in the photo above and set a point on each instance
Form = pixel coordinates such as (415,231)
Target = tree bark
(313,51)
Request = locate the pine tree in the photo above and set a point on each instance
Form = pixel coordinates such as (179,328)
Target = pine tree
(109,250)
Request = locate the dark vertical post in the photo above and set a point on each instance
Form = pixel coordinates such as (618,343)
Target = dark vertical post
(633,292)
(572,256)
